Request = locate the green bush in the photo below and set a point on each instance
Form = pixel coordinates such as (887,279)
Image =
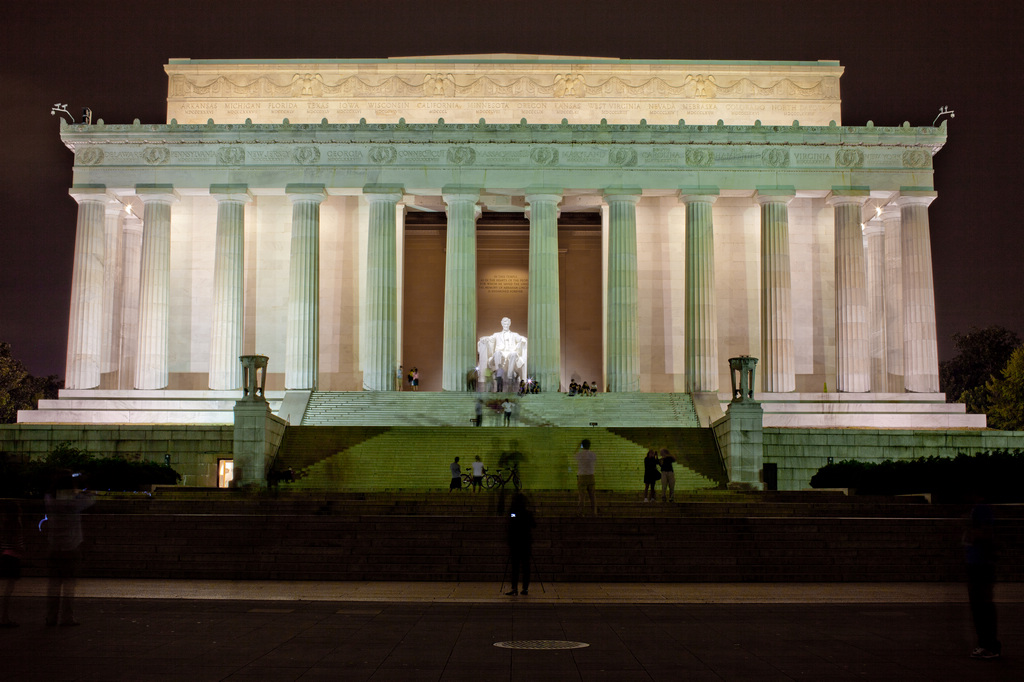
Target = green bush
(994,475)
(32,479)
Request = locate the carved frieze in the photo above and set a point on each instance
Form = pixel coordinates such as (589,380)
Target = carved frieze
(90,156)
(916,158)
(383,155)
(622,157)
(156,156)
(461,156)
(231,156)
(544,156)
(690,85)
(306,155)
(849,158)
(775,157)
(699,157)
(578,156)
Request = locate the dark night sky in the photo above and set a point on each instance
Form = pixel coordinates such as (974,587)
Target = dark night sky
(903,61)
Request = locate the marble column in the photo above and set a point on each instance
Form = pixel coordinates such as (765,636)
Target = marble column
(131,269)
(701,321)
(544,355)
(85,324)
(111,345)
(874,247)
(228,287)
(381,289)
(622,360)
(151,360)
(893,299)
(459,348)
(853,368)
(302,341)
(778,373)
(920,351)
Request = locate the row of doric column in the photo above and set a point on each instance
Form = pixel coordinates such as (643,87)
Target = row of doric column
(885,309)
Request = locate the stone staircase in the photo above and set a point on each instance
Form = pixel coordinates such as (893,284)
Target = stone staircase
(408,458)
(116,407)
(356,408)
(707,537)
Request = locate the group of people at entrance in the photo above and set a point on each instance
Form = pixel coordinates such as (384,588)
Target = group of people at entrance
(652,463)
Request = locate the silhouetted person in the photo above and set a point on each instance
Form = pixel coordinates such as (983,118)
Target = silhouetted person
(520,543)
(456,470)
(668,476)
(979,543)
(12,551)
(479,412)
(651,475)
(64,505)
(508,459)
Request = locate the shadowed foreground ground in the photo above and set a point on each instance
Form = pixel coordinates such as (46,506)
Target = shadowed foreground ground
(432,631)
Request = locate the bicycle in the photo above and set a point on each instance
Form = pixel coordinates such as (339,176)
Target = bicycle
(467,479)
(496,479)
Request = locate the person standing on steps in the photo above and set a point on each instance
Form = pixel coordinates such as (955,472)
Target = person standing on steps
(456,470)
(507,411)
(520,543)
(651,475)
(586,463)
(668,476)
(414,379)
(478,474)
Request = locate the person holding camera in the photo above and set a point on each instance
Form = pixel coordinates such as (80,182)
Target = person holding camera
(520,543)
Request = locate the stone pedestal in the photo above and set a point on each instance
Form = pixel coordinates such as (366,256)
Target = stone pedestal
(740,433)
(258,432)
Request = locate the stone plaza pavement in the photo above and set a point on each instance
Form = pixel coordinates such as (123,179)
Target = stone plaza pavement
(224,630)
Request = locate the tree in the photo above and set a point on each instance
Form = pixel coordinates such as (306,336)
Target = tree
(1006,395)
(981,355)
(19,390)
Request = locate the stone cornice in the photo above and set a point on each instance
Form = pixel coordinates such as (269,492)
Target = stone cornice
(324,132)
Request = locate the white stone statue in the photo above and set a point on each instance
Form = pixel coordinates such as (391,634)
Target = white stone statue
(505,350)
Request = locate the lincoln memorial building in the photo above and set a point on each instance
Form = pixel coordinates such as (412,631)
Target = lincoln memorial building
(641,223)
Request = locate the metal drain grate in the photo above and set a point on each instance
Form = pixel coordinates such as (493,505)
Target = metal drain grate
(548,644)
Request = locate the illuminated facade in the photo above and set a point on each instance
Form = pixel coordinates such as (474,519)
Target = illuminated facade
(640,222)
